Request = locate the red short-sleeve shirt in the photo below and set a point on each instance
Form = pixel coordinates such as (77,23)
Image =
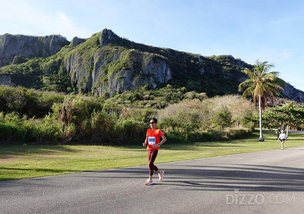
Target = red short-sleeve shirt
(154,137)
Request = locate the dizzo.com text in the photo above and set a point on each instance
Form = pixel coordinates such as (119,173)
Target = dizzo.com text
(250,198)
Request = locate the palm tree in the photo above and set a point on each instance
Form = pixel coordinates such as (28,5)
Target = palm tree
(261,85)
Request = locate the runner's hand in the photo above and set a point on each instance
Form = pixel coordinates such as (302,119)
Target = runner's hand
(155,145)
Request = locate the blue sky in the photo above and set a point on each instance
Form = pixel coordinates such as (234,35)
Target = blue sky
(268,30)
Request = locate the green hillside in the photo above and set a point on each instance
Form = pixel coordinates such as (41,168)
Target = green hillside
(215,75)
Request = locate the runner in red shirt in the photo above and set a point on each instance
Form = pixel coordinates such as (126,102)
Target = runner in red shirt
(153,140)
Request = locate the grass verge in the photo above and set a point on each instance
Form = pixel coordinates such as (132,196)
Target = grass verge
(27,161)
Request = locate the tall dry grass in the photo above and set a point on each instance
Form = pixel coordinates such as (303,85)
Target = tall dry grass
(203,120)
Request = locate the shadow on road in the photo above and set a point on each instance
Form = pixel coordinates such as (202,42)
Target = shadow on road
(241,177)
(222,178)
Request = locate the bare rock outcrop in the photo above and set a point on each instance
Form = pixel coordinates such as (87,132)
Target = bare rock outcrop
(293,93)
(12,46)
(115,72)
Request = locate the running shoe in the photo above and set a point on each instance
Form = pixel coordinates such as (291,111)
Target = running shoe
(160,175)
(149,182)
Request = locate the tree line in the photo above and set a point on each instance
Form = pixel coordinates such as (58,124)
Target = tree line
(28,115)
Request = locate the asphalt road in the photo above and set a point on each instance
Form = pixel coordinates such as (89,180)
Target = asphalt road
(261,182)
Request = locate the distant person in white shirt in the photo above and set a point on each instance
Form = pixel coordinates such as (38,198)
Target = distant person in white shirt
(282,138)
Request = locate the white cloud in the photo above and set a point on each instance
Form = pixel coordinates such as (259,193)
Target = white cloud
(21,17)
(60,23)
(285,54)
(64,19)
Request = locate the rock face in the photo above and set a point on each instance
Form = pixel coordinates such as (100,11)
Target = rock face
(293,93)
(28,46)
(5,80)
(110,72)
(76,41)
(106,37)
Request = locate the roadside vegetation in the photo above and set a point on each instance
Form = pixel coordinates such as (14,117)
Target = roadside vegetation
(29,116)
(32,116)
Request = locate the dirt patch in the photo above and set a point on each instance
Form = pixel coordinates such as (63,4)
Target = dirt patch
(7,159)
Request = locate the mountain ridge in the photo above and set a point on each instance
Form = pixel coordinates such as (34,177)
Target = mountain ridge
(106,64)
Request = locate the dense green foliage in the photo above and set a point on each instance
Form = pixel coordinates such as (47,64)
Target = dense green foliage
(29,102)
(155,98)
(40,73)
(291,114)
(28,115)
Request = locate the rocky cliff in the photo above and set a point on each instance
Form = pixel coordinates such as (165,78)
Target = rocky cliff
(293,93)
(106,64)
(12,46)
(100,79)
(114,70)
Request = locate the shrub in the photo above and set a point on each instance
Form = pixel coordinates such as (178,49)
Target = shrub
(223,117)
(237,133)
(75,109)
(129,131)
(10,129)
(137,114)
(31,102)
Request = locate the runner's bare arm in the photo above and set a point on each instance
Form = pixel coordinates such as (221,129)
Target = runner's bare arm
(145,143)
(164,139)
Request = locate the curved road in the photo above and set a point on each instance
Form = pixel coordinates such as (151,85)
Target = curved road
(260,182)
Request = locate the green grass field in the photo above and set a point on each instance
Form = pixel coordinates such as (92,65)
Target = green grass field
(17,162)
